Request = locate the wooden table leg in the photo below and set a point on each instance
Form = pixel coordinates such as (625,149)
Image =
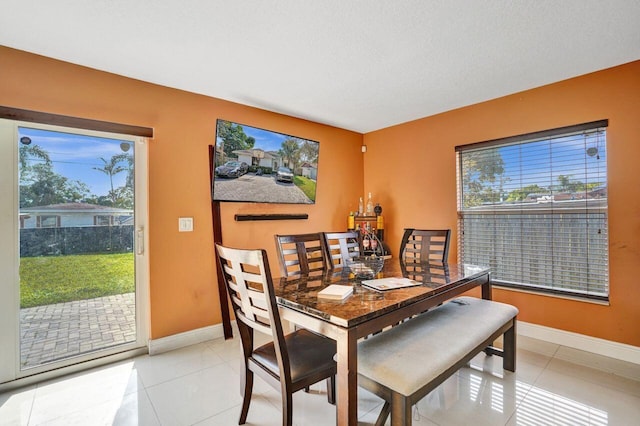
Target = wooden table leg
(486,289)
(347,379)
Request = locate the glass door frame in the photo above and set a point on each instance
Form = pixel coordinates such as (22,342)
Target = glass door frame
(10,369)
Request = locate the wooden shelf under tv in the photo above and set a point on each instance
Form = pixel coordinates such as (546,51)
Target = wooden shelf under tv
(287,216)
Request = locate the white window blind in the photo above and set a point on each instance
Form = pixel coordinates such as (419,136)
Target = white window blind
(534,209)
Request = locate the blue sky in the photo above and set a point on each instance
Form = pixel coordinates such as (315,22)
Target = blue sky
(266,140)
(547,160)
(74,156)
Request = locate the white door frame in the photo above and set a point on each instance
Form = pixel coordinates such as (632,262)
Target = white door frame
(9,318)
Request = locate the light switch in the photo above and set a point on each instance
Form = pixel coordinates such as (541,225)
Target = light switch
(185,224)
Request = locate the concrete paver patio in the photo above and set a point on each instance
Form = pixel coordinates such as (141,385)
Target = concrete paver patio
(57,331)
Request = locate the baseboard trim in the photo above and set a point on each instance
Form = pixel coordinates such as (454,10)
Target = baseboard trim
(620,351)
(569,339)
(188,338)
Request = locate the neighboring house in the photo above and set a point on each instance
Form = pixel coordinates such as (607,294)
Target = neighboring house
(260,158)
(309,170)
(69,215)
(599,192)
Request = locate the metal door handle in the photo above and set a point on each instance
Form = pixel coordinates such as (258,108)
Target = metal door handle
(140,240)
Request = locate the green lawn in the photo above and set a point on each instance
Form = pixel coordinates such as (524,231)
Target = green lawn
(54,279)
(307,185)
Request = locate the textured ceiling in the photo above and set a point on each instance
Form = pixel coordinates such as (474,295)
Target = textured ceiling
(360,65)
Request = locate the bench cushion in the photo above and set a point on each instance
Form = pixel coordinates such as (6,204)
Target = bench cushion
(416,352)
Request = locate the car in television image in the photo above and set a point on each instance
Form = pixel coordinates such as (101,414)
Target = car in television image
(232,169)
(284,174)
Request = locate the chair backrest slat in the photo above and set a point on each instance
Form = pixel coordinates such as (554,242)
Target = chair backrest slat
(301,254)
(341,246)
(248,279)
(240,280)
(424,245)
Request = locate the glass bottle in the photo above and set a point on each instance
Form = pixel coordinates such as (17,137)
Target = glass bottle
(351,223)
(374,243)
(366,242)
(360,207)
(369,206)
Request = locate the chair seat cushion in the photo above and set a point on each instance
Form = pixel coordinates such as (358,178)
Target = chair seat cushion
(411,355)
(309,354)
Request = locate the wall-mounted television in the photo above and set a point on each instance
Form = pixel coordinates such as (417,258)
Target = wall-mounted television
(254,165)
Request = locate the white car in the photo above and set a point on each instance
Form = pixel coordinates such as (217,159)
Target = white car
(284,174)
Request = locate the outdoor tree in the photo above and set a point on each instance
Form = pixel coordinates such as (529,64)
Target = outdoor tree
(521,194)
(233,138)
(31,153)
(480,170)
(573,185)
(28,157)
(128,159)
(40,185)
(122,197)
(290,149)
(111,168)
(309,152)
(565,182)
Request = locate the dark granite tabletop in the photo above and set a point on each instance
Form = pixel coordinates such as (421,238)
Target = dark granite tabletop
(301,293)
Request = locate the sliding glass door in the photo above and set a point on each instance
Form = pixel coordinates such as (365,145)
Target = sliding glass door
(79,269)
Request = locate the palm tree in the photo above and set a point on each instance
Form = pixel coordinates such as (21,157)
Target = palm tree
(289,150)
(128,158)
(111,168)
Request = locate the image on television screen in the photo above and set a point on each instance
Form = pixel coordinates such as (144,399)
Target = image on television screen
(261,166)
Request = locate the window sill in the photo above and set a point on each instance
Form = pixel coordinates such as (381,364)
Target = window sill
(554,295)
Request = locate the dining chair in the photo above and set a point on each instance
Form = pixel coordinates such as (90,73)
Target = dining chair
(290,362)
(301,254)
(341,246)
(424,245)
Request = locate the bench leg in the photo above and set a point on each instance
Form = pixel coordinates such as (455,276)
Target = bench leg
(384,413)
(490,351)
(509,350)
(400,410)
(331,390)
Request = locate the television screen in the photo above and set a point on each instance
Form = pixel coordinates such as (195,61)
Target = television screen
(261,166)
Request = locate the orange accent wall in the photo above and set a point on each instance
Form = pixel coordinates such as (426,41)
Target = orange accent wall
(412,169)
(183,285)
(409,168)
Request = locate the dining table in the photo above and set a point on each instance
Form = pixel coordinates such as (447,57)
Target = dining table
(368,310)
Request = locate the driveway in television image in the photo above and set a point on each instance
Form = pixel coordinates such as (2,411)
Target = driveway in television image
(259,188)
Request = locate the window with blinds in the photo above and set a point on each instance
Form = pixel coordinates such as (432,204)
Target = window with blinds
(534,209)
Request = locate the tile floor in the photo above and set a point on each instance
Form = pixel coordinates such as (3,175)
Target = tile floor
(199,385)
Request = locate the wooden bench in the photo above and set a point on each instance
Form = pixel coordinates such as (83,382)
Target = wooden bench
(403,364)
